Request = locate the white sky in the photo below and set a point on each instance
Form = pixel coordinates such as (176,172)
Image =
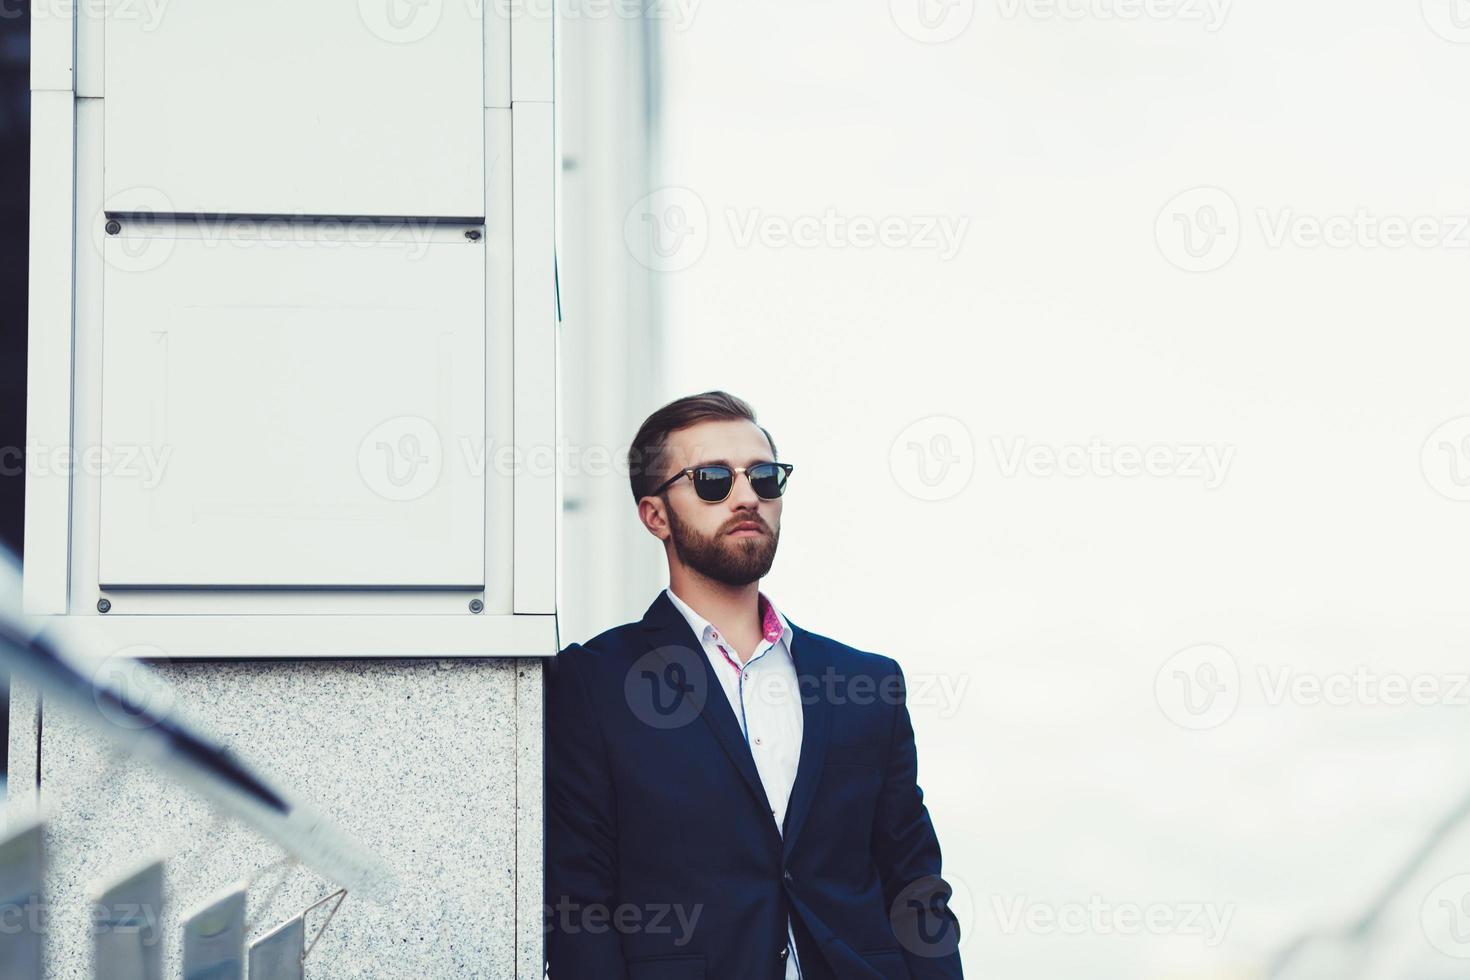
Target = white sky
(1051,601)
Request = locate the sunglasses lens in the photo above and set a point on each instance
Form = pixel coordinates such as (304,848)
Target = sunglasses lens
(712,483)
(768,479)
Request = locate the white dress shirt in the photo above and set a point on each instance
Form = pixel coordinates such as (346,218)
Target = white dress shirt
(766,697)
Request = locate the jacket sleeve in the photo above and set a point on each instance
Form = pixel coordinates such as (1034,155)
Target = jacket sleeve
(581,831)
(906,852)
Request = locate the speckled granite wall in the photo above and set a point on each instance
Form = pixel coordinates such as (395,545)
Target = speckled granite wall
(434,764)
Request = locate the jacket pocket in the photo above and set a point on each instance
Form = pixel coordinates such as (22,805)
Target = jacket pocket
(667,968)
(888,962)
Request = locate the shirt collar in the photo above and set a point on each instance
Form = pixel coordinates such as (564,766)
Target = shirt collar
(774,625)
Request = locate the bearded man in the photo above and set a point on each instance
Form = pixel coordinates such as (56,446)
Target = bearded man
(731,796)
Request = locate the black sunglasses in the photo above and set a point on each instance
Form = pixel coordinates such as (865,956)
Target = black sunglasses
(714,481)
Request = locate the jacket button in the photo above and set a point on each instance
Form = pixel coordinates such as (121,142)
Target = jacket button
(789,879)
(785,952)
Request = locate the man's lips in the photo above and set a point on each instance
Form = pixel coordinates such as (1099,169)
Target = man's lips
(747,527)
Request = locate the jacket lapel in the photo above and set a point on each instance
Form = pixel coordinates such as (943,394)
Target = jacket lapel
(666,627)
(809,651)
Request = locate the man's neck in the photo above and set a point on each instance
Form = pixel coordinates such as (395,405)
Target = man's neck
(733,610)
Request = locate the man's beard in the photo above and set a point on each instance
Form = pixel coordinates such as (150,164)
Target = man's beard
(725,559)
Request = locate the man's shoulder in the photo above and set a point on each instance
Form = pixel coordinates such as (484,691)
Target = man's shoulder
(611,644)
(847,658)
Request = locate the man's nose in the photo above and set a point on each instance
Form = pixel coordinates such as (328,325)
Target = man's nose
(743,492)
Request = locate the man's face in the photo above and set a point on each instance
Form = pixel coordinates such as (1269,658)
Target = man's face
(708,537)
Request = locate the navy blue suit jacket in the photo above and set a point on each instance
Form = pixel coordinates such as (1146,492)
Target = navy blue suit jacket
(662,860)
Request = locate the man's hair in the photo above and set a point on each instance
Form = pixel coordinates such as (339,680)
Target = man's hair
(647,456)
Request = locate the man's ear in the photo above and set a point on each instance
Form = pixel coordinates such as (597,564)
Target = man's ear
(651,511)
